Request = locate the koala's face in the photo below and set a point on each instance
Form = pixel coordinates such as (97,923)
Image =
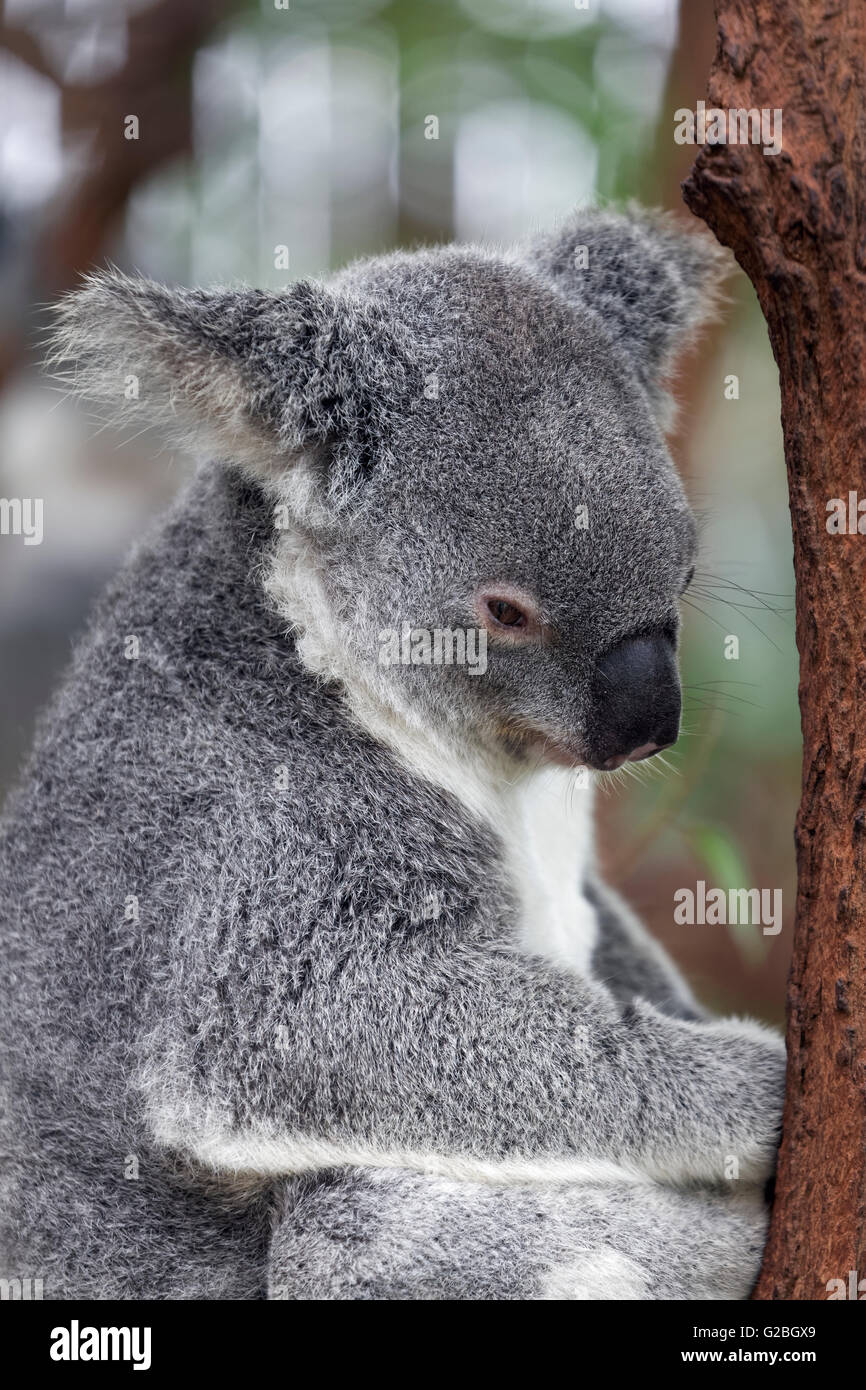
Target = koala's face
(471,447)
(529,506)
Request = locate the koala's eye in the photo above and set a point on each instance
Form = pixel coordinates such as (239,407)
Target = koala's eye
(511,614)
(505,613)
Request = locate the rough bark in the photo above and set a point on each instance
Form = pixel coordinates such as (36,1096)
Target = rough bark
(797,225)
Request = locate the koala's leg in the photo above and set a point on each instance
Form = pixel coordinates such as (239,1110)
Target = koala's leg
(394,1234)
(90,1227)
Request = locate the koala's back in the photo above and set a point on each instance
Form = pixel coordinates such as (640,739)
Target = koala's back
(189,776)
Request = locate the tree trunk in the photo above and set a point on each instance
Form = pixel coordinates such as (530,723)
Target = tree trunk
(797,224)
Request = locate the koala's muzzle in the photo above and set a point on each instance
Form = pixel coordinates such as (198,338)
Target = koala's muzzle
(636,701)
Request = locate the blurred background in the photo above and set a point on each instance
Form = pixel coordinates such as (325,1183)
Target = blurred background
(207,140)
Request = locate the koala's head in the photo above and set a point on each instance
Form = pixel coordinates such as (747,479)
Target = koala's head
(467,445)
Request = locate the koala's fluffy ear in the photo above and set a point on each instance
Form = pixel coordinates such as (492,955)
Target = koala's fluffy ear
(652,284)
(245,375)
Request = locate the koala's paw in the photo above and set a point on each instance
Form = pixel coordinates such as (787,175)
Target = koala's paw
(756,1057)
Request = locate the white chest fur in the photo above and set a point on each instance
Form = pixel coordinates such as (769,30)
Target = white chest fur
(543,819)
(550,834)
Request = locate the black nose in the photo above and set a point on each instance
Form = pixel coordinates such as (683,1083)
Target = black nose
(636,700)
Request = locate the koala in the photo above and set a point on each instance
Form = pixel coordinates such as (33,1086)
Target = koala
(311,988)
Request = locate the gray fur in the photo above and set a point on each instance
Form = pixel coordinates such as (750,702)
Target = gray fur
(324,972)
(400,1235)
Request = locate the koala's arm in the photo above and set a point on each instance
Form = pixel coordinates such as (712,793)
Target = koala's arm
(630,962)
(414,1046)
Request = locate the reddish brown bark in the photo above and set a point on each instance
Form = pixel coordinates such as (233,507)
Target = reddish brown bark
(797,225)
